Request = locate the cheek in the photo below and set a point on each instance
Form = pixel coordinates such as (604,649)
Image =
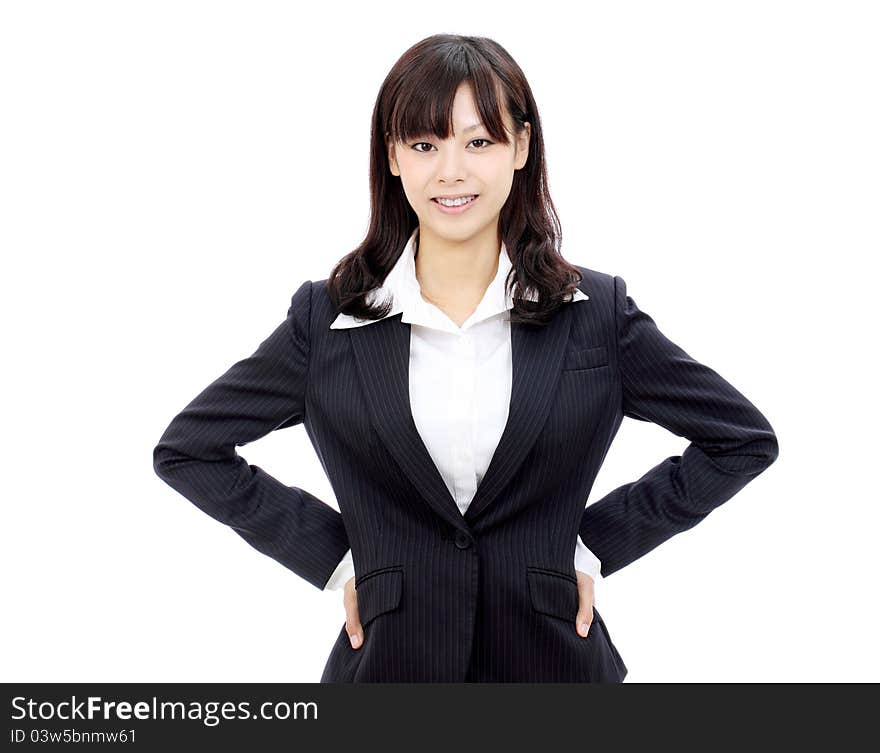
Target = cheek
(416,186)
(500,181)
(414,194)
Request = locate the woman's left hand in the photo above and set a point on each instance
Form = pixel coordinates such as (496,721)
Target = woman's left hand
(585,608)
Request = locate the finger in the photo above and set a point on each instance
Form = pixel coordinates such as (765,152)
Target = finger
(352,617)
(584,617)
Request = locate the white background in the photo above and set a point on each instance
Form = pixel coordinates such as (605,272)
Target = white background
(173,171)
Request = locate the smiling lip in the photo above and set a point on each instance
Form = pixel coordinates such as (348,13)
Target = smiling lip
(456,210)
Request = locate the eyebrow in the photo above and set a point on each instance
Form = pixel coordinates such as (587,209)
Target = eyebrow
(469,128)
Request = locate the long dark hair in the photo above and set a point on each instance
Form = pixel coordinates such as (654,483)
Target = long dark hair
(416,98)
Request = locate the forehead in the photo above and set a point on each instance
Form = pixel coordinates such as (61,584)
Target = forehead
(444,112)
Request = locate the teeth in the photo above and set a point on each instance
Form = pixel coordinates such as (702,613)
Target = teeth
(455,202)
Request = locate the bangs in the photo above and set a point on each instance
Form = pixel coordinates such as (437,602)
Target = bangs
(423,103)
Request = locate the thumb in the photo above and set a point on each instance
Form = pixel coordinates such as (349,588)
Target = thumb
(352,617)
(584,621)
(584,618)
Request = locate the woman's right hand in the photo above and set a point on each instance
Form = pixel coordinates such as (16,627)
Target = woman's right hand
(352,619)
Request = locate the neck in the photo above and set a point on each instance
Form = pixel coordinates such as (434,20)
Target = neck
(451,270)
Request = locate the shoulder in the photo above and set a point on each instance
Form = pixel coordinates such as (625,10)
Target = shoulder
(312,306)
(595,282)
(311,312)
(323,310)
(602,288)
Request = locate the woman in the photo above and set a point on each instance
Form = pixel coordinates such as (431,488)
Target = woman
(462,383)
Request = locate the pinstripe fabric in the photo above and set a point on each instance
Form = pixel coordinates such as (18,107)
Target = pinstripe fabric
(446,379)
(491,595)
(731,442)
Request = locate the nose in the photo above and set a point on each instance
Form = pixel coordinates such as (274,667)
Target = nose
(451,166)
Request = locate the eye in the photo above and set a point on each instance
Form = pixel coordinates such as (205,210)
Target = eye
(425,143)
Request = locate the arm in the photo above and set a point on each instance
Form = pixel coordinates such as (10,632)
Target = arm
(731,443)
(196,455)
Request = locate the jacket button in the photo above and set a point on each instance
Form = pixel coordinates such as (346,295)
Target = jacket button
(462,540)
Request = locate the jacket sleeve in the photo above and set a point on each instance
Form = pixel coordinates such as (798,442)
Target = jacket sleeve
(731,443)
(196,455)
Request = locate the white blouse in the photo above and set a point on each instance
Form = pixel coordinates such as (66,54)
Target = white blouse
(459,384)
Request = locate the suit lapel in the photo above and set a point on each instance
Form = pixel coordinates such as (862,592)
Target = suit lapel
(537,363)
(381,352)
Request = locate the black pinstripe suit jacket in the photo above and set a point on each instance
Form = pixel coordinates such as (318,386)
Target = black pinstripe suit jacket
(490,595)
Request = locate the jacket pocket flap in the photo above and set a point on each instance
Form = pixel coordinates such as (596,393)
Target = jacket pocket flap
(553,593)
(586,358)
(378,592)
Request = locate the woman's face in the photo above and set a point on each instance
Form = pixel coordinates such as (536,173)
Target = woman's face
(468,162)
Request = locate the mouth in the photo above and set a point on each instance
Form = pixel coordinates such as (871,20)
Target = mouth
(456,209)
